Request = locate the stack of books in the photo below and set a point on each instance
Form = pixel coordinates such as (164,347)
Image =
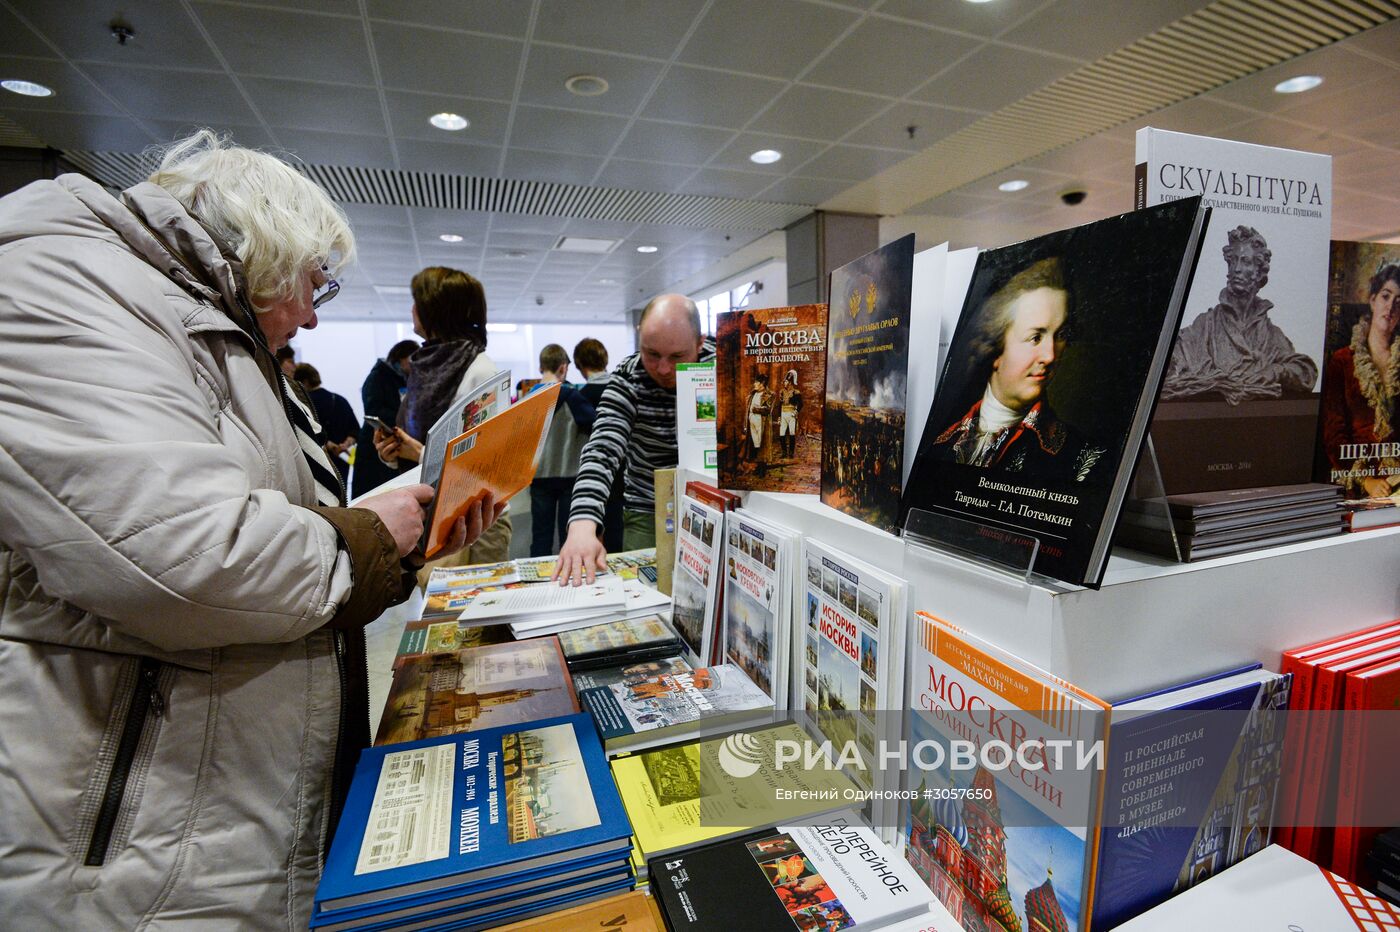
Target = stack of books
(1216,524)
(1338,775)
(476,830)
(533,611)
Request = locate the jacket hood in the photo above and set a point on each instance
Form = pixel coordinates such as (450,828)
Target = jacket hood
(147,220)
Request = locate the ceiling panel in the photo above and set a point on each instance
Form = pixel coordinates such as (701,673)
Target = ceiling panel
(761,38)
(566,130)
(335,148)
(992,77)
(489,16)
(326,107)
(853,162)
(648,140)
(890,128)
(979,19)
(417,59)
(1090,29)
(273,43)
(18,39)
(885,57)
(724,182)
(629,79)
(174,95)
(165,35)
(712,98)
(409,113)
(83,131)
(817,112)
(637,27)
(254,137)
(796,152)
(797,190)
(643,176)
(422,155)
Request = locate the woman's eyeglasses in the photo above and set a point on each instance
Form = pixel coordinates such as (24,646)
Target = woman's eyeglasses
(324,293)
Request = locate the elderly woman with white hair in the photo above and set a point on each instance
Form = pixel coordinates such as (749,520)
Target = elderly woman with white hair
(182,589)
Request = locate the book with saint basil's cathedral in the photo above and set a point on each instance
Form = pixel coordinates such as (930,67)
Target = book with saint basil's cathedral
(1239,403)
(771,374)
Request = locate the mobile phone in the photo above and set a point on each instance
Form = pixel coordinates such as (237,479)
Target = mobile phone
(379,424)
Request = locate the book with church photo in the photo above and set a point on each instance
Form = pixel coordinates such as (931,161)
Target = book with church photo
(867,366)
(1359,434)
(1239,403)
(771,376)
(476,687)
(1052,375)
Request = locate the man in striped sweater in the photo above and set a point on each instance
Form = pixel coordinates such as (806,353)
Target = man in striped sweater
(636,427)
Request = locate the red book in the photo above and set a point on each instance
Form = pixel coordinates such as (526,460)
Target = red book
(714,497)
(1362,774)
(1311,840)
(1299,661)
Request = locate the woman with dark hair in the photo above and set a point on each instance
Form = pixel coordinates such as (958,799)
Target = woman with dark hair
(1022,331)
(449,313)
(1359,391)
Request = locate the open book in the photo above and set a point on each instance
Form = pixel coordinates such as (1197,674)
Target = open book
(499,455)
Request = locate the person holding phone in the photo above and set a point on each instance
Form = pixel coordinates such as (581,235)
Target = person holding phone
(381,394)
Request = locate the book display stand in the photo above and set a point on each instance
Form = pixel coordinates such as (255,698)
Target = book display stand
(983,547)
(1148,487)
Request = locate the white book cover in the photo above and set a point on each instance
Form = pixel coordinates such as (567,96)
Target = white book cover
(850,661)
(957,278)
(638,601)
(758,569)
(1274,889)
(482,401)
(697,403)
(1255,318)
(925,306)
(695,578)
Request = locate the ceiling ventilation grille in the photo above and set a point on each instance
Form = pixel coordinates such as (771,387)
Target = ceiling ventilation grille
(352,185)
(1217,44)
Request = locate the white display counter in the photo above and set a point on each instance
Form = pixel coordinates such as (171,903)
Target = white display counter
(1154,623)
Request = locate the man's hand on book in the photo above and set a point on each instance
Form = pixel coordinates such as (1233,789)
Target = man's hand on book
(401,510)
(582,556)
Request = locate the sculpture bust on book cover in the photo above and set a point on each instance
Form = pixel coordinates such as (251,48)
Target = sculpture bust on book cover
(1233,351)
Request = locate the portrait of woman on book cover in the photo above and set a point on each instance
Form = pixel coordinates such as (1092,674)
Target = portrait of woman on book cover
(1018,338)
(1361,382)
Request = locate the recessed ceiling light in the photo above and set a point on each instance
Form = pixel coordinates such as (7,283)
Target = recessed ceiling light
(646,249)
(1303,82)
(979,1)
(585,244)
(586,85)
(766,156)
(27,88)
(516,253)
(607,281)
(449,121)
(579,301)
(1015,184)
(449,237)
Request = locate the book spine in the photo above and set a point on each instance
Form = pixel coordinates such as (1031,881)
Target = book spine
(1140,186)
(1308,836)
(1350,774)
(1294,746)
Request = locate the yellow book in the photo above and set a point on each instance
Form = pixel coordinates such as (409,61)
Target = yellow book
(685,795)
(626,912)
(499,455)
(665,493)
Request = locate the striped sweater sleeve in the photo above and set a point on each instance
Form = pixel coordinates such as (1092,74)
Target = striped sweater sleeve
(605,452)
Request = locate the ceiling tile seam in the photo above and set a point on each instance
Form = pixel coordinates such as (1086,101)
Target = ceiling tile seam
(228,71)
(680,45)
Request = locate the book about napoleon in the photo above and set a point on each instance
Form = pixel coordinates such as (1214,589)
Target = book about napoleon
(771,375)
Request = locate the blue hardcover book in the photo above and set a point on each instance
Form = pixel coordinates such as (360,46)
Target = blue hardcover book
(527,908)
(1193,775)
(451,914)
(441,813)
(554,879)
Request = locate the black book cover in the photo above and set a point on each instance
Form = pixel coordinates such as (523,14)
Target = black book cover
(1051,379)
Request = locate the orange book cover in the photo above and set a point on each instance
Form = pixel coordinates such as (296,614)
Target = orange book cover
(499,455)
(627,912)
